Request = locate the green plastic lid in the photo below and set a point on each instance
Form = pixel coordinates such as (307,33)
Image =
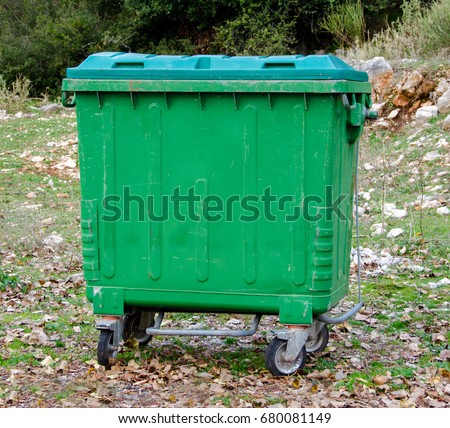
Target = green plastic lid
(124,66)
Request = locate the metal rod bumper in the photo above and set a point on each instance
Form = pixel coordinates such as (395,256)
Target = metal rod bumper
(193,332)
(338,320)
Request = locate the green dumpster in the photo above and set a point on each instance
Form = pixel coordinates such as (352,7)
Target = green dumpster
(217,184)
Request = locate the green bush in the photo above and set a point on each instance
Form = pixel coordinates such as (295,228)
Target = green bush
(256,31)
(39,39)
(420,33)
(346,23)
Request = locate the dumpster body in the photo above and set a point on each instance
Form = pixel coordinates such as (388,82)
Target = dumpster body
(215,184)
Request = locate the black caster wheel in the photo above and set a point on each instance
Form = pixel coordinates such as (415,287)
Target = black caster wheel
(135,324)
(320,343)
(276,362)
(106,352)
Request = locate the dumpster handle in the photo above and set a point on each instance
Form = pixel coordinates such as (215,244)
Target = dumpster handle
(346,102)
(68,101)
(368,114)
(337,320)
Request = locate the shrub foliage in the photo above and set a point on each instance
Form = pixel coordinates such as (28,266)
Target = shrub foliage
(39,39)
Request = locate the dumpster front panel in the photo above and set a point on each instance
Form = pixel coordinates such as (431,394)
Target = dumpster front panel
(216,201)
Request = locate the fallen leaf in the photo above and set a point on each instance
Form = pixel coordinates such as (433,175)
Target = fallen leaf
(445,354)
(133,364)
(404,336)
(438,338)
(414,347)
(444,372)
(38,337)
(295,384)
(319,375)
(400,394)
(380,380)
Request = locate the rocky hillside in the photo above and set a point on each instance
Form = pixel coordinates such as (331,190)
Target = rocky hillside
(405,91)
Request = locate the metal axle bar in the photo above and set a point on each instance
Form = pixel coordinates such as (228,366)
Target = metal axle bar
(192,332)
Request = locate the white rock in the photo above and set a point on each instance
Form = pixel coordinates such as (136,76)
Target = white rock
(365,195)
(379,231)
(389,208)
(377,106)
(3,114)
(234,323)
(50,108)
(443,87)
(443,281)
(446,123)
(398,161)
(416,144)
(37,159)
(47,361)
(382,123)
(380,74)
(377,226)
(427,202)
(431,156)
(426,113)
(368,166)
(395,232)
(399,214)
(443,103)
(442,143)
(70,163)
(391,211)
(48,221)
(443,211)
(53,240)
(393,114)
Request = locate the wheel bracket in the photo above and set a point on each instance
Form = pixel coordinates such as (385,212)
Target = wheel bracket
(297,337)
(114,324)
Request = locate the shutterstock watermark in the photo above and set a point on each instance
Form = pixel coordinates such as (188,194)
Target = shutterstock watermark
(189,206)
